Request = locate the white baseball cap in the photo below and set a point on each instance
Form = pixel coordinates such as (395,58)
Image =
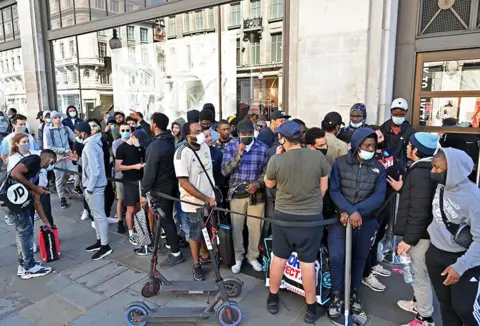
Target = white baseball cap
(399,103)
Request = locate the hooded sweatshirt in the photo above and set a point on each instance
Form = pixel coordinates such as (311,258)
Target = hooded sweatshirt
(71,122)
(93,167)
(58,139)
(461,203)
(356,187)
(179,122)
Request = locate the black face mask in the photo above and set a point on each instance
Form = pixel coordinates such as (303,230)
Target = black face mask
(132,129)
(381,145)
(246,140)
(322,150)
(205,127)
(441,178)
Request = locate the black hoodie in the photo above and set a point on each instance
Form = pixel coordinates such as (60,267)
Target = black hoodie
(159,172)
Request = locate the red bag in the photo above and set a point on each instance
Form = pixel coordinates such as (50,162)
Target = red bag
(49,244)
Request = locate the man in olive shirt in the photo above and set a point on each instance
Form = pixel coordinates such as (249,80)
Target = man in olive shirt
(299,198)
(331,124)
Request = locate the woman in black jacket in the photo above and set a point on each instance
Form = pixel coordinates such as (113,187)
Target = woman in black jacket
(413,217)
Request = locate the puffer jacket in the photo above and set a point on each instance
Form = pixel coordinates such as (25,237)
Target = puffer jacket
(356,187)
(415,205)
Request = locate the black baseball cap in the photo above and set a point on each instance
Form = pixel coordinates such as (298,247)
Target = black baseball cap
(141,135)
(278,114)
(334,118)
(245,127)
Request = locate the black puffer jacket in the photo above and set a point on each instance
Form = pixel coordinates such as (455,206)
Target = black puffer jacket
(415,206)
(396,144)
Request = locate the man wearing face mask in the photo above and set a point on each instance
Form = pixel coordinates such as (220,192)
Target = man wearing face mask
(45,121)
(397,132)
(3,126)
(19,123)
(267,135)
(11,113)
(358,116)
(72,118)
(206,122)
(111,131)
(357,187)
(244,161)
(331,125)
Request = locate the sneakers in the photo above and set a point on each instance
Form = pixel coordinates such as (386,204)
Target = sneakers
(172,260)
(237,267)
(112,220)
(78,191)
(272,303)
(311,316)
(205,260)
(355,303)
(378,270)
(408,305)
(198,273)
(121,228)
(85,215)
(20,270)
(373,283)
(36,271)
(102,252)
(8,220)
(420,321)
(96,246)
(143,251)
(132,240)
(256,265)
(93,225)
(36,217)
(63,203)
(336,305)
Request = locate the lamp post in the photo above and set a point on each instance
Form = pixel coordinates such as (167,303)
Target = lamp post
(115,42)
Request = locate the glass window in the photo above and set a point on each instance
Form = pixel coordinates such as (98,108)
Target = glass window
(186,23)
(65,76)
(12,87)
(131,54)
(74,77)
(67,4)
(101,33)
(276,50)
(134,5)
(7,23)
(62,50)
(82,11)
(155,2)
(131,33)
(68,13)
(144,55)
(13,64)
(102,50)
(172,26)
(235,16)
(211,18)
(143,35)
(454,75)
(115,7)
(199,21)
(255,53)
(97,9)
(73,50)
(54,6)
(276,9)
(2,36)
(435,110)
(255,8)
(239,52)
(16,28)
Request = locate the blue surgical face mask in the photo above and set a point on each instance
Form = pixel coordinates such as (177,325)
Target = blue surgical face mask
(356,125)
(50,167)
(48,121)
(72,114)
(79,140)
(365,155)
(136,144)
(398,120)
(112,128)
(125,134)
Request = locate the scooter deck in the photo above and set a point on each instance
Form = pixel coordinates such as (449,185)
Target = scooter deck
(186,314)
(190,287)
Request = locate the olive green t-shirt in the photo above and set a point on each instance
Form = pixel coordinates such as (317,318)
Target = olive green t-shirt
(298,174)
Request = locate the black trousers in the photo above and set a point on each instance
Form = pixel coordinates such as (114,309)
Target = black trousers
(168,224)
(372,256)
(47,207)
(460,302)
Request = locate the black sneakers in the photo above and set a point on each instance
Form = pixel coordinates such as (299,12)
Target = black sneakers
(96,246)
(120,228)
(198,273)
(63,203)
(272,303)
(314,312)
(102,252)
(173,260)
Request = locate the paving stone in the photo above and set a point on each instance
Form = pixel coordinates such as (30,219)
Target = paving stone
(7,239)
(78,271)
(80,296)
(11,302)
(101,275)
(15,320)
(119,283)
(36,289)
(52,310)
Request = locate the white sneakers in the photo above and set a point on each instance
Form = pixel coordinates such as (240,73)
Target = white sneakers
(93,224)
(85,215)
(378,270)
(373,283)
(257,267)
(408,305)
(36,271)
(112,220)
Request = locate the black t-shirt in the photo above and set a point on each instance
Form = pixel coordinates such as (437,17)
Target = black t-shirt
(32,162)
(131,155)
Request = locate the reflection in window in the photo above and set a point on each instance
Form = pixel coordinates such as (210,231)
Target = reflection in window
(101,33)
(235,17)
(255,8)
(211,18)
(133,5)
(130,33)
(195,94)
(276,50)
(131,54)
(277,9)
(172,26)
(62,51)
(7,23)
(255,53)
(186,23)
(451,75)
(74,77)
(15,22)
(199,21)
(115,6)
(102,50)
(2,36)
(97,9)
(143,35)
(12,89)
(73,50)
(449,111)
(239,52)
(82,11)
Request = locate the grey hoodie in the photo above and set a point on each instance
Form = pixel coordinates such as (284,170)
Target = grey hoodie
(461,205)
(93,175)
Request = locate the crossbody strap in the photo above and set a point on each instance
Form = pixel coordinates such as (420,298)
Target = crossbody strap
(451,227)
(201,164)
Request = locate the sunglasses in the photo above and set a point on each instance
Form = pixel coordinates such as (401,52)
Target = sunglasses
(124,130)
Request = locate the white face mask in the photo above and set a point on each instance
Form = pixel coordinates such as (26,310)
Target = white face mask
(356,125)
(72,114)
(200,139)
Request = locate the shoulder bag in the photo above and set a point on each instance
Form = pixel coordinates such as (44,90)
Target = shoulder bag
(461,232)
(14,194)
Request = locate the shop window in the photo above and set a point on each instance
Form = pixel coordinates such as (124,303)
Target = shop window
(255,8)
(276,9)
(211,18)
(235,16)
(276,48)
(447,90)
(186,23)
(446,16)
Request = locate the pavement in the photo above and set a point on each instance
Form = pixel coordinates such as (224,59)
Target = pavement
(85,292)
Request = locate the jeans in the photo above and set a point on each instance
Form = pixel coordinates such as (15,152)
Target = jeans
(182,222)
(372,260)
(362,241)
(96,203)
(24,227)
(422,288)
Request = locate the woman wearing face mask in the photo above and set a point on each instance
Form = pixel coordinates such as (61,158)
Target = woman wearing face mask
(358,116)
(72,119)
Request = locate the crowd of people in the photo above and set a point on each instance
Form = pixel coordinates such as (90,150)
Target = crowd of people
(271,166)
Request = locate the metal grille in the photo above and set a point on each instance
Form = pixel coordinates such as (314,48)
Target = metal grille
(436,20)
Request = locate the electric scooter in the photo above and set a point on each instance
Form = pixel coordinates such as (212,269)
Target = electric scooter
(139,313)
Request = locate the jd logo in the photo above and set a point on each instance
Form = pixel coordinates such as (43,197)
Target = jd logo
(17,194)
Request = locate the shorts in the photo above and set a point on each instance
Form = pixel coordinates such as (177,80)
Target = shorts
(131,194)
(305,242)
(119,191)
(195,226)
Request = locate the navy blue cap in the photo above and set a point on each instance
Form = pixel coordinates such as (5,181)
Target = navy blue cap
(83,127)
(111,119)
(141,135)
(289,129)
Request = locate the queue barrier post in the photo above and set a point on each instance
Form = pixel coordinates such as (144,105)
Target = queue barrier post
(348,268)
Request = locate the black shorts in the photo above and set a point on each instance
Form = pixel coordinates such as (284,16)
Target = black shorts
(305,242)
(131,194)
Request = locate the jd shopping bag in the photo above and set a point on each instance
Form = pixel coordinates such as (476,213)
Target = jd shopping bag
(49,244)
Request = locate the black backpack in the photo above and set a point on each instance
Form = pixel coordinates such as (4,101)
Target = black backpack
(14,194)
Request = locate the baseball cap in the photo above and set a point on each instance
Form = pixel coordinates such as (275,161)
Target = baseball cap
(39,114)
(111,119)
(83,127)
(289,129)
(334,118)
(399,103)
(141,135)
(245,127)
(278,114)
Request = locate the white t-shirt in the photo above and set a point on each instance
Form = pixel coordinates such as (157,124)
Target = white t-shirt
(187,166)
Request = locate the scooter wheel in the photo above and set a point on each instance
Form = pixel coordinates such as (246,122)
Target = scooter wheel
(233,288)
(135,316)
(150,289)
(229,315)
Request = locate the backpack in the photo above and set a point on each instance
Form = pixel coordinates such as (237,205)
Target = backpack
(14,194)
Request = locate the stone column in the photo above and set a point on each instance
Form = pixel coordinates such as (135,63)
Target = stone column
(33,60)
